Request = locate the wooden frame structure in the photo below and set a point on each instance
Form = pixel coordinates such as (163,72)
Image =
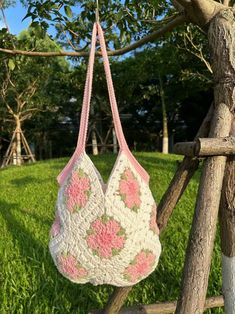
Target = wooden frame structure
(13,154)
(207,197)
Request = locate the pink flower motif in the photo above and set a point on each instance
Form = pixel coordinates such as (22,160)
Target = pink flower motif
(55,229)
(153,225)
(140,267)
(130,190)
(105,237)
(77,191)
(69,266)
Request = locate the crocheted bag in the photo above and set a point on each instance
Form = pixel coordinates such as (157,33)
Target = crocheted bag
(104,233)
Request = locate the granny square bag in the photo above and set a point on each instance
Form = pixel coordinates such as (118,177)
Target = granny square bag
(104,233)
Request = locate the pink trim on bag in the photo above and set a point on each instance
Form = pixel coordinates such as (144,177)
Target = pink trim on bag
(84,114)
(86,107)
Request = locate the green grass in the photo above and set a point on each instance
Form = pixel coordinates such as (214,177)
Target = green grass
(29,281)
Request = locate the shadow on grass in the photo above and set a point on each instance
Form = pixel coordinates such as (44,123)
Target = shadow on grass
(45,281)
(27,180)
(47,222)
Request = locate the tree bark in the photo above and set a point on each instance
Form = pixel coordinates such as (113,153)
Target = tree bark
(94,143)
(165,138)
(165,307)
(115,147)
(18,141)
(198,256)
(227,231)
(181,179)
(207,147)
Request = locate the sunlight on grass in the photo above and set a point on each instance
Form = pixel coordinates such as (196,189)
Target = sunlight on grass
(29,281)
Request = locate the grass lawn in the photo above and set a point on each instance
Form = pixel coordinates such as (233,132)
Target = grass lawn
(29,281)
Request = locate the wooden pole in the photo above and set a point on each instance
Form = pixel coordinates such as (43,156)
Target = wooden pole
(221,36)
(181,179)
(27,148)
(8,152)
(165,307)
(115,146)
(18,142)
(207,147)
(200,245)
(165,136)
(227,231)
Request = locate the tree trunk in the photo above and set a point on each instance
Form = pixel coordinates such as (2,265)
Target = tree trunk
(94,143)
(198,257)
(227,229)
(18,142)
(114,141)
(165,138)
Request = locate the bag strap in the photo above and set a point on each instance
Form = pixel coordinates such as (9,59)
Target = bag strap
(81,143)
(87,95)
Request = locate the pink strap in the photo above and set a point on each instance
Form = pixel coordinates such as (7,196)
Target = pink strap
(85,111)
(86,108)
(116,119)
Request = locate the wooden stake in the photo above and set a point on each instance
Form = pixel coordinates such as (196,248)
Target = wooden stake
(200,245)
(27,148)
(207,147)
(181,179)
(165,308)
(8,154)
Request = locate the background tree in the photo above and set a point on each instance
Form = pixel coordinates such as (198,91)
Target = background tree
(27,85)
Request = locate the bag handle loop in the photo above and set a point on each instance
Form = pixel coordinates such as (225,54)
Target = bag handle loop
(87,94)
(81,143)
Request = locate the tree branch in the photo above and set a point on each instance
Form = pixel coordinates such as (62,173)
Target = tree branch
(183,3)
(198,51)
(205,10)
(180,19)
(178,6)
(226,3)
(32,110)
(9,109)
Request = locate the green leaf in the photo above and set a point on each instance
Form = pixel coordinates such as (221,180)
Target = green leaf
(68,11)
(11,64)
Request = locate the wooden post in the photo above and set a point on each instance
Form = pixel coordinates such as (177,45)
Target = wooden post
(94,143)
(207,147)
(18,142)
(200,245)
(27,148)
(165,136)
(185,149)
(181,179)
(227,230)
(115,146)
(221,36)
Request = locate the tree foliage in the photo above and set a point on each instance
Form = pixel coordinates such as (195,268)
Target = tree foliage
(179,59)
